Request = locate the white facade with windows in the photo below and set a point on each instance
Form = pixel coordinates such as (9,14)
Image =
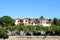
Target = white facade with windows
(25,22)
(17,22)
(31,22)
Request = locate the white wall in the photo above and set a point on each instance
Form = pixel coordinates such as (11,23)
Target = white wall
(25,22)
(45,24)
(16,22)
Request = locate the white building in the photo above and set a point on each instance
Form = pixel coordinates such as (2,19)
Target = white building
(25,21)
(17,22)
(29,21)
(45,22)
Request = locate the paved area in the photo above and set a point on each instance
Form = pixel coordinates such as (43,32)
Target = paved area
(33,38)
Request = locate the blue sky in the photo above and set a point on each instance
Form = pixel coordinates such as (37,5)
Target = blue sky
(30,8)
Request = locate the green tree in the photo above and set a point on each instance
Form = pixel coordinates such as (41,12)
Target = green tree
(59,22)
(40,28)
(12,28)
(6,20)
(32,28)
(55,21)
(3,33)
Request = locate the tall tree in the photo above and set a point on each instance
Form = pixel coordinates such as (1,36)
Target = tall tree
(6,20)
(41,18)
(49,21)
(55,21)
(59,22)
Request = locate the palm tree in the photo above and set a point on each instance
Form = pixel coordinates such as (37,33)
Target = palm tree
(49,21)
(41,18)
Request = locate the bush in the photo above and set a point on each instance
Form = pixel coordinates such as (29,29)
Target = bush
(3,33)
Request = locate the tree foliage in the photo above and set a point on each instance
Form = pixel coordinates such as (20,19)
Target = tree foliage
(6,20)
(3,33)
(7,23)
(56,22)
